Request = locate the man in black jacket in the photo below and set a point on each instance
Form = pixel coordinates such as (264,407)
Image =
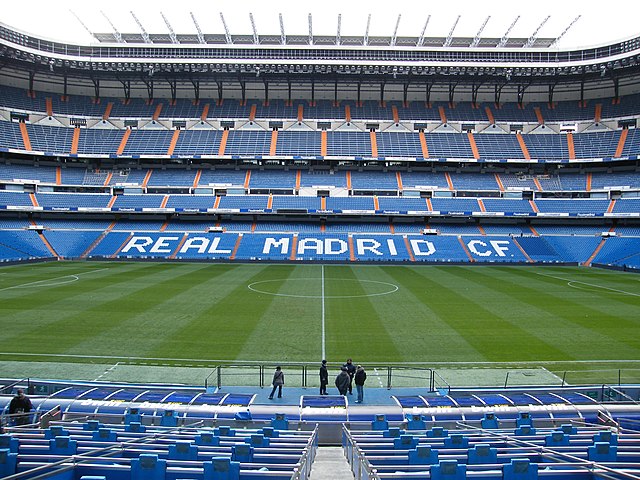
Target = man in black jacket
(351,370)
(324,378)
(342,381)
(359,379)
(20,404)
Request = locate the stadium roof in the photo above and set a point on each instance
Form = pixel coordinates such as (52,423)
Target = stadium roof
(546,24)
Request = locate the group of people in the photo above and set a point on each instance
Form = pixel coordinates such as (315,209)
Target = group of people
(349,375)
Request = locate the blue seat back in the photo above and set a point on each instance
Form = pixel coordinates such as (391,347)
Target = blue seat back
(415,422)
(393,432)
(405,442)
(437,432)
(63,445)
(602,452)
(520,469)
(9,443)
(456,440)
(8,462)
(380,423)
(448,470)
(136,427)
(556,439)
(207,438)
(423,455)
(489,421)
(242,453)
(105,435)
(92,425)
(148,467)
(482,453)
(169,419)
(280,422)
(183,450)
(221,469)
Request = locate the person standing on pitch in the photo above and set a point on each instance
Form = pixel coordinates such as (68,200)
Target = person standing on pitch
(278,382)
(351,370)
(359,380)
(324,378)
(342,381)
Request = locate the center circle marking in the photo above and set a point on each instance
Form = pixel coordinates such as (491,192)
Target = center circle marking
(389,288)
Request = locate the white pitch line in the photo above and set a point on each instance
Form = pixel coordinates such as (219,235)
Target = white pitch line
(375,370)
(258,362)
(323,315)
(29,284)
(569,282)
(107,371)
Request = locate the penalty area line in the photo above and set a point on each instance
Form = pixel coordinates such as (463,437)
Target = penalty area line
(569,283)
(73,276)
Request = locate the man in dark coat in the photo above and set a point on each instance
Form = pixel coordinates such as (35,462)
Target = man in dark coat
(351,370)
(342,381)
(324,378)
(359,379)
(20,404)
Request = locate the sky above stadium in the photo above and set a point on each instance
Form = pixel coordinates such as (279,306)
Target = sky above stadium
(598,23)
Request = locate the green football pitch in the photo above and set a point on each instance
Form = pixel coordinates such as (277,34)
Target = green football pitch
(91,320)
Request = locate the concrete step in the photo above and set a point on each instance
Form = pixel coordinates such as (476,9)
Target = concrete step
(330,464)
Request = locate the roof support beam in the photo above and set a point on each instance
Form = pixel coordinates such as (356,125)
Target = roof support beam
(283,37)
(126,89)
(145,35)
(497,92)
(149,85)
(534,35)
(424,29)
(365,41)
(310,29)
(428,88)
(505,38)
(452,91)
(96,85)
(338,37)
(394,37)
(449,38)
(521,91)
(174,89)
(476,40)
(552,87)
(116,33)
(227,35)
(220,91)
(573,22)
(256,39)
(83,24)
(200,35)
(196,89)
(172,34)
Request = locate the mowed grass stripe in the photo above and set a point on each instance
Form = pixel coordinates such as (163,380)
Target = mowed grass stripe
(222,330)
(178,301)
(17,282)
(472,316)
(354,327)
(289,329)
(593,323)
(32,313)
(417,330)
(141,290)
(542,314)
(594,289)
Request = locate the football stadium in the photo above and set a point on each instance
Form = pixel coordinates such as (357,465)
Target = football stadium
(189,217)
